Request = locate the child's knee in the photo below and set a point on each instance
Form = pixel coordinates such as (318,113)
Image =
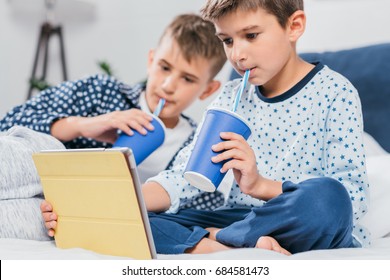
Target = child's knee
(323,202)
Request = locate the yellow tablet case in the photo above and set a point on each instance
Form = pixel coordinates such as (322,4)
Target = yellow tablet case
(97,202)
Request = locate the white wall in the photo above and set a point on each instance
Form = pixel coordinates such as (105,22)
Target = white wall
(338,24)
(122,32)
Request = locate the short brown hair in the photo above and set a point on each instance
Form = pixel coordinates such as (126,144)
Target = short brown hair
(281,9)
(196,37)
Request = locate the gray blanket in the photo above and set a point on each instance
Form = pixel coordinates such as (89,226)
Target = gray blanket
(20,188)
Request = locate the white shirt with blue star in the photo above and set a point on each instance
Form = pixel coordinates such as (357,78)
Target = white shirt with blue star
(315,129)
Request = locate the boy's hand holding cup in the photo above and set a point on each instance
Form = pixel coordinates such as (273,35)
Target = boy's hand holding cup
(143,145)
(201,172)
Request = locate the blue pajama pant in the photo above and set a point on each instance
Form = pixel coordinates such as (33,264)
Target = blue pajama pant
(313,214)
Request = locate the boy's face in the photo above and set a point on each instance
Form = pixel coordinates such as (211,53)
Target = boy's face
(255,40)
(172,77)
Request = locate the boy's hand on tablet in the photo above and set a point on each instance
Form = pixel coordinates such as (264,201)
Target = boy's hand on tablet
(49,217)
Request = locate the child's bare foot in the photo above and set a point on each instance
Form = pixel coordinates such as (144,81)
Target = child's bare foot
(208,244)
(269,243)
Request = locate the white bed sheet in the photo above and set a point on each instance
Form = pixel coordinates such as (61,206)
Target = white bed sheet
(20,249)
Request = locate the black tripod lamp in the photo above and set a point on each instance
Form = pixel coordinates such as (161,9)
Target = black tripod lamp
(48,30)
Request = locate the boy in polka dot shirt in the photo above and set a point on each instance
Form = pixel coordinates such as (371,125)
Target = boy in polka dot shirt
(300,180)
(87,113)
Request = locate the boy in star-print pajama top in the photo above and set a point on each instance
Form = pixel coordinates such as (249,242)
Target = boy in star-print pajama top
(313,130)
(300,179)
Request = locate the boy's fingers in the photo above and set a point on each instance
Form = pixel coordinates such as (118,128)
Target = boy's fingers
(145,122)
(229,154)
(126,129)
(50,232)
(138,127)
(231,136)
(233,164)
(51,225)
(49,216)
(224,145)
(46,206)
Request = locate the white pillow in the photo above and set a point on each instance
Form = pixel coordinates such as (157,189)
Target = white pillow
(371,146)
(377,219)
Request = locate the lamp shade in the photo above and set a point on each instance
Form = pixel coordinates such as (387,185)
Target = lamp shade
(57,10)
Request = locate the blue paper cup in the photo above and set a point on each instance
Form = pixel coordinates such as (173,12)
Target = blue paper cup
(200,171)
(143,145)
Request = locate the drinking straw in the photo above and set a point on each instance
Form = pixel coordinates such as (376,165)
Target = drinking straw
(241,89)
(159,107)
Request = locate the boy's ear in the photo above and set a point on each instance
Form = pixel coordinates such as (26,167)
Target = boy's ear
(212,87)
(297,25)
(150,57)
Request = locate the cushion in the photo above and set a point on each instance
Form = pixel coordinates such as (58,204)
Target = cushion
(368,69)
(372,147)
(20,189)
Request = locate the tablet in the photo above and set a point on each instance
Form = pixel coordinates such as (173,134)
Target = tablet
(97,196)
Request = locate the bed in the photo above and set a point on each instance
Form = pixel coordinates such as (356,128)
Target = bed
(373,86)
(377,221)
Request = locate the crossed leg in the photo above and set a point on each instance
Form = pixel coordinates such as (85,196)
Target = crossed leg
(210,244)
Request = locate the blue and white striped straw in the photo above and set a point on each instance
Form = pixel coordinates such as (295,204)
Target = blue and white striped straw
(159,107)
(241,89)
